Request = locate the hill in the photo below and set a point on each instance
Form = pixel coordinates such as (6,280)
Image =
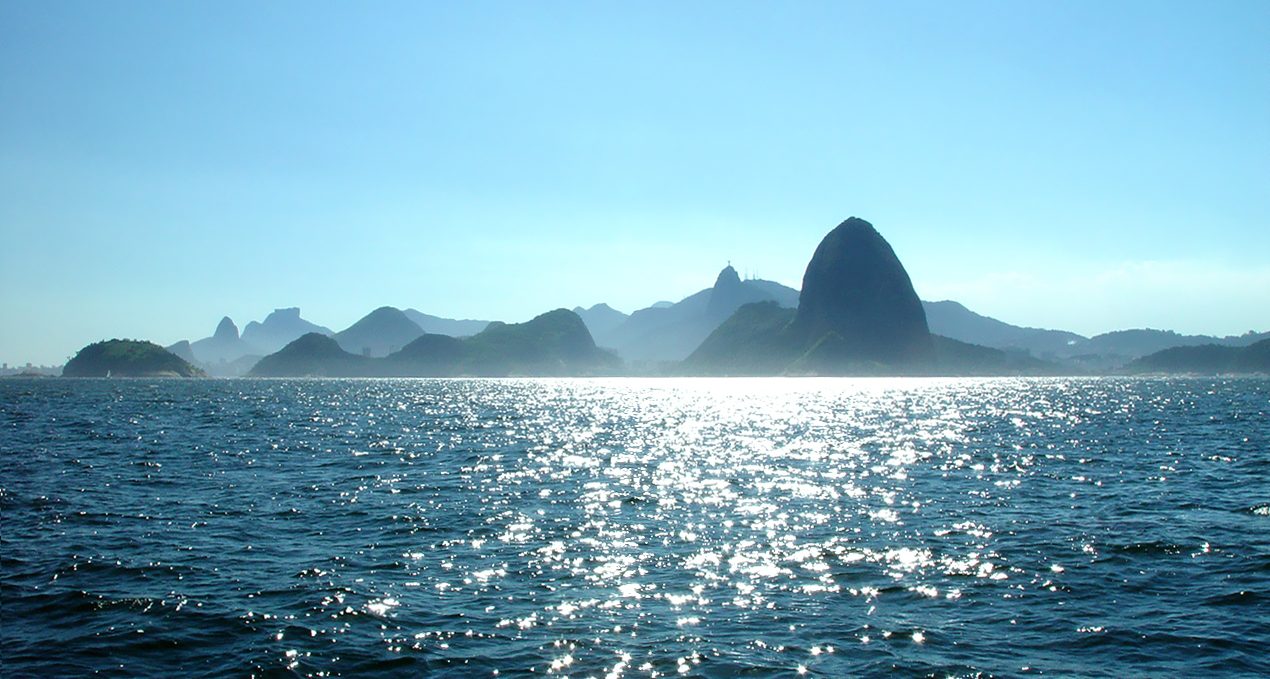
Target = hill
(955,321)
(445,326)
(1143,341)
(224,354)
(128,358)
(856,288)
(554,343)
(313,355)
(662,333)
(280,328)
(858,315)
(1206,359)
(601,320)
(379,333)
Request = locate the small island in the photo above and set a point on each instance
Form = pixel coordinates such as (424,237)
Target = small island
(128,358)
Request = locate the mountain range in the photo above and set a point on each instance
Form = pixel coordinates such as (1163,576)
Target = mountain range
(554,343)
(887,315)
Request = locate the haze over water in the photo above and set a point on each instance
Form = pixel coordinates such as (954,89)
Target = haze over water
(1099,527)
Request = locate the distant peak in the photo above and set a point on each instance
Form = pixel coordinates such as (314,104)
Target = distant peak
(727,277)
(288,312)
(856,224)
(226,329)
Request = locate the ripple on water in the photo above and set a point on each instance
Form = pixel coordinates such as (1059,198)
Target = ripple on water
(635,527)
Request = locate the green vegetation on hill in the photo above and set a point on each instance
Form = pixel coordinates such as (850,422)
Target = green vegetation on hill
(128,358)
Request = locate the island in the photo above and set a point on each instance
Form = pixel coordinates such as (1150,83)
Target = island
(128,358)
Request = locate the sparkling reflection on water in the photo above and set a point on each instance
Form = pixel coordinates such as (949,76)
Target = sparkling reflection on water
(639,527)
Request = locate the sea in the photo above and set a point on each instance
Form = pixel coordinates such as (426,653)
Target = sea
(1099,527)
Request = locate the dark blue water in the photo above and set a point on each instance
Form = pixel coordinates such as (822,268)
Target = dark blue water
(1097,527)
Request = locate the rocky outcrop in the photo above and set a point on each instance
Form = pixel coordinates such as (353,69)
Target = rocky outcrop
(226,331)
(280,328)
(856,288)
(857,314)
(223,347)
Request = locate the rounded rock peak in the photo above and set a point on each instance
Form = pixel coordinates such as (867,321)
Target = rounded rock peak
(226,329)
(727,277)
(856,287)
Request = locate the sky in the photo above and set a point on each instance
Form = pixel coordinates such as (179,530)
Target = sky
(1086,166)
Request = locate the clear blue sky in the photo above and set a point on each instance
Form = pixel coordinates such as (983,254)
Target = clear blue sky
(1085,166)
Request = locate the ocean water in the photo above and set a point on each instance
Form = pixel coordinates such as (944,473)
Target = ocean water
(632,528)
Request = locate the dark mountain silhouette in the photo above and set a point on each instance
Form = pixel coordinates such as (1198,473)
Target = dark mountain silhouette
(1206,359)
(313,355)
(445,326)
(381,332)
(128,358)
(856,288)
(858,314)
(429,355)
(554,343)
(280,328)
(671,333)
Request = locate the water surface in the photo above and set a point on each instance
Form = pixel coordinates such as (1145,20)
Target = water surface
(836,527)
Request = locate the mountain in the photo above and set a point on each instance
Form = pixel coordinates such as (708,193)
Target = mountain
(312,355)
(753,341)
(381,332)
(445,326)
(954,357)
(1206,359)
(183,350)
(601,320)
(280,328)
(224,346)
(1140,342)
(858,315)
(1108,351)
(856,288)
(955,321)
(781,294)
(671,333)
(554,343)
(128,358)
